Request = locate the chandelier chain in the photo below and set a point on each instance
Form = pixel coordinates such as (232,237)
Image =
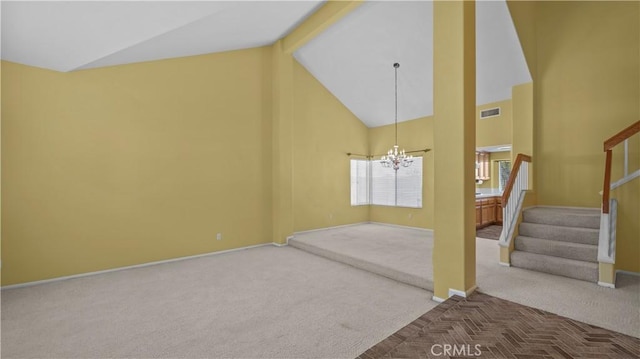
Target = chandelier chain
(396,119)
(396,158)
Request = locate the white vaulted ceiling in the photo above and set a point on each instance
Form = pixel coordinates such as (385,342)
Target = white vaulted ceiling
(72,35)
(353,58)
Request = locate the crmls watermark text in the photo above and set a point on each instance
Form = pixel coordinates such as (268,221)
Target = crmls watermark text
(456,350)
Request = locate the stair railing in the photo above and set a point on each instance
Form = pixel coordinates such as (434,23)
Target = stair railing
(607,238)
(513,197)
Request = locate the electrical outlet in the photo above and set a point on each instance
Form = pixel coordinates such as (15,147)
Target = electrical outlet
(330,215)
(219,236)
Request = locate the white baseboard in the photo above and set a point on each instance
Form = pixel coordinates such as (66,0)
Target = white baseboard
(460,293)
(606,285)
(428,230)
(283,244)
(88,274)
(453,292)
(635,274)
(505,264)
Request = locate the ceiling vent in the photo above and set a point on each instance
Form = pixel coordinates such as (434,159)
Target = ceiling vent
(490,112)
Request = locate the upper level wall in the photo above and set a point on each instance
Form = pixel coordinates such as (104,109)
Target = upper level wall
(324,131)
(587,89)
(129,164)
(523,14)
(494,131)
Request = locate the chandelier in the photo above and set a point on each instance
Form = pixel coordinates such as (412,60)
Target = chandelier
(395,157)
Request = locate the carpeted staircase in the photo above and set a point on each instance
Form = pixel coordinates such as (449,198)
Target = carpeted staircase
(559,240)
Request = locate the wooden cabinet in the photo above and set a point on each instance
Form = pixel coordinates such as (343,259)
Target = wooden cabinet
(482,166)
(488,211)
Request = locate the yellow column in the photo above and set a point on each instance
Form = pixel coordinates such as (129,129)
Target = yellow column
(327,15)
(282,110)
(607,275)
(282,143)
(454,88)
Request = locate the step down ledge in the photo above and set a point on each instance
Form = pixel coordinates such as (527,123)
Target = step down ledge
(365,265)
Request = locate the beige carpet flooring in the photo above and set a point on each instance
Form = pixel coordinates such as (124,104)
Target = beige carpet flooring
(406,249)
(265,302)
(276,302)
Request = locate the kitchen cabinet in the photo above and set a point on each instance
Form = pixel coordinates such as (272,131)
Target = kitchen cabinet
(488,211)
(482,166)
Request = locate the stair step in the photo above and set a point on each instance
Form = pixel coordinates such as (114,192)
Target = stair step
(569,250)
(559,233)
(563,216)
(571,268)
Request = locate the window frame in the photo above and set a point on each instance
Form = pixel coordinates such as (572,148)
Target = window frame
(377,176)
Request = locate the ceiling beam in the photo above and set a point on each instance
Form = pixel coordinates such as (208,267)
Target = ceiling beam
(326,16)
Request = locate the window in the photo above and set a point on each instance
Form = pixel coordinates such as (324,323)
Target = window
(373,184)
(504,170)
(360,182)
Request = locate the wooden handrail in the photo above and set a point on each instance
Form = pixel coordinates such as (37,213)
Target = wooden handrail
(512,176)
(621,136)
(608,146)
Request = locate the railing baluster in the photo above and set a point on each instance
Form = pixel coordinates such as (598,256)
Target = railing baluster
(607,237)
(512,198)
(626,157)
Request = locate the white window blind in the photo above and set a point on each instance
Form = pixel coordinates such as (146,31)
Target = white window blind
(384,186)
(409,185)
(360,182)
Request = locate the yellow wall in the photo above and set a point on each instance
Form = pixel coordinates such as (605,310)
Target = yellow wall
(494,131)
(124,165)
(586,91)
(412,135)
(522,132)
(0,181)
(586,65)
(523,14)
(324,131)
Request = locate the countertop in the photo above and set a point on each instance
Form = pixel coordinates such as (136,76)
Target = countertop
(488,195)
